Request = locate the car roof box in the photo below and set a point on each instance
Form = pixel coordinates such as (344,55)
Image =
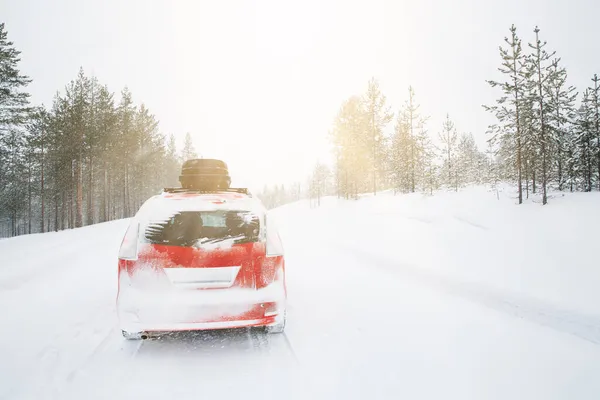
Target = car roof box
(205,174)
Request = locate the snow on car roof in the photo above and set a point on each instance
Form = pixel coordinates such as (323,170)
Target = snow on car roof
(167,204)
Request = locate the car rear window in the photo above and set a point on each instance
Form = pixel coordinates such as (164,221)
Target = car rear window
(197,228)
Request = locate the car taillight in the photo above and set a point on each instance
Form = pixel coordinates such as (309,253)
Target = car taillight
(128,250)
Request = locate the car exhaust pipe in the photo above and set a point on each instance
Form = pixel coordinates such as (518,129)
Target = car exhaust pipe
(144,337)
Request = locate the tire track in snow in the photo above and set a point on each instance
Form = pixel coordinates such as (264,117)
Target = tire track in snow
(586,327)
(257,340)
(55,366)
(469,222)
(98,349)
(263,342)
(105,371)
(290,347)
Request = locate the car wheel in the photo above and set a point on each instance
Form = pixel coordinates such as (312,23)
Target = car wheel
(279,327)
(133,335)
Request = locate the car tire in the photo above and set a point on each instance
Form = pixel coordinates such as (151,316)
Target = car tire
(132,335)
(278,327)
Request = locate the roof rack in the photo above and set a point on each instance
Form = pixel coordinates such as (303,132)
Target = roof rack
(230,190)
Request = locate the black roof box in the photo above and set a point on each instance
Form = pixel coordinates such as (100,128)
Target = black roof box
(205,174)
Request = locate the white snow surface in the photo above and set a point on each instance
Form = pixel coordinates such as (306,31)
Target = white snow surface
(452,296)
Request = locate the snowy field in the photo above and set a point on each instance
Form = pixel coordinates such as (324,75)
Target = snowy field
(455,296)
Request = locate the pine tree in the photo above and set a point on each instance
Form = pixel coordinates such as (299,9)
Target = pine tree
(530,149)
(426,162)
(584,141)
(449,138)
(14,113)
(401,151)
(14,189)
(468,161)
(127,138)
(539,75)
(378,115)
(149,166)
(425,159)
(414,119)
(37,147)
(561,103)
(106,120)
(407,148)
(90,148)
(82,160)
(352,151)
(188,151)
(507,110)
(595,124)
(492,170)
(79,120)
(14,100)
(319,182)
(172,166)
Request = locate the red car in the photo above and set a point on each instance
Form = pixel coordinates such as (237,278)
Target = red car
(192,260)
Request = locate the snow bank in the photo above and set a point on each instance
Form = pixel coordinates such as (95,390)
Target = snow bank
(545,253)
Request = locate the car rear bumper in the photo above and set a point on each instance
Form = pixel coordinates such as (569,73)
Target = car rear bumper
(193,326)
(176,310)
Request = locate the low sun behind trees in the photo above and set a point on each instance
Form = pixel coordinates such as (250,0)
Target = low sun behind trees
(101,158)
(406,159)
(541,141)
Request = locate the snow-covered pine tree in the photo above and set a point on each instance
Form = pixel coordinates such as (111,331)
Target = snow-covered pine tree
(414,119)
(424,153)
(492,176)
(507,108)
(352,147)
(467,161)
(539,75)
(583,156)
(172,165)
(407,158)
(561,111)
(595,105)
(530,148)
(378,115)
(14,113)
(448,138)
(319,182)
(401,147)
(14,178)
(188,152)
(427,161)
(149,161)
(14,100)
(570,151)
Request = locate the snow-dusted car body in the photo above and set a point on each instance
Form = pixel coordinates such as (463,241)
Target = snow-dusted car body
(195,261)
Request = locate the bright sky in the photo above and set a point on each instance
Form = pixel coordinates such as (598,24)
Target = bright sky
(258,83)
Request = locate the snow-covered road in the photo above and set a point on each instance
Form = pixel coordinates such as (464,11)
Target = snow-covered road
(389,297)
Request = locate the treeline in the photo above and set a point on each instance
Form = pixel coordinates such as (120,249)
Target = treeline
(544,137)
(277,195)
(90,157)
(370,156)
